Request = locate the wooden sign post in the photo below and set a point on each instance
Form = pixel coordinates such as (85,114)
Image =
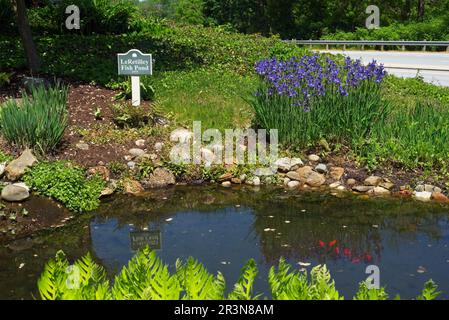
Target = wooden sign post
(135,64)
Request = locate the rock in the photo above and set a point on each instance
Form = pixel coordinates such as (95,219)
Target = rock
(308,176)
(422,196)
(438,196)
(226,184)
(161,177)
(207,156)
(293,175)
(181,135)
(335,185)
(136,152)
(313,158)
(14,193)
(100,170)
(140,143)
(17,167)
(438,190)
(379,191)
(243,177)
(373,181)
(225,177)
(21,184)
(287,164)
(419,188)
(315,179)
(351,182)
(256,181)
(260,172)
(362,188)
(286,181)
(2,168)
(321,168)
(296,163)
(107,192)
(236,181)
(293,184)
(158,146)
(387,185)
(82,146)
(336,173)
(131,186)
(131,165)
(341,188)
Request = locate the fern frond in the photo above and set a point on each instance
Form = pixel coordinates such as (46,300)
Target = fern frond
(430,291)
(364,293)
(244,286)
(146,278)
(198,283)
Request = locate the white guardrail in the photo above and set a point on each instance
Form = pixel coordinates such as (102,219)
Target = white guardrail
(381,43)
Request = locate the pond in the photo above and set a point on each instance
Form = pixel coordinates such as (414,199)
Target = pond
(223,228)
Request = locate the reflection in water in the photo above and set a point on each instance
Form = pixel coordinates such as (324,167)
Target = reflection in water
(224,227)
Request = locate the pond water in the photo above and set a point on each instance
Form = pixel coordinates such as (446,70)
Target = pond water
(223,228)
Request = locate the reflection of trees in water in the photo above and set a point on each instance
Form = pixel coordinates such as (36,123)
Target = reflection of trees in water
(358,226)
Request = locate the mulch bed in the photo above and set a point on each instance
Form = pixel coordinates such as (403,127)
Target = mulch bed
(83,101)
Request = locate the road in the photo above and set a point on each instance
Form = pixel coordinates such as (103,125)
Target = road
(406,64)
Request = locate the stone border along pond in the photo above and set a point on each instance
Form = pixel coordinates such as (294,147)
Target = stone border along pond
(292,173)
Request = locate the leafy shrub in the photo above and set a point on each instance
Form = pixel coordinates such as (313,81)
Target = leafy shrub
(146,89)
(306,99)
(128,116)
(97,16)
(4,78)
(66,183)
(37,121)
(433,30)
(146,277)
(7,17)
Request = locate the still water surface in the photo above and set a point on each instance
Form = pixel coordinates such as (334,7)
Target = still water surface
(223,228)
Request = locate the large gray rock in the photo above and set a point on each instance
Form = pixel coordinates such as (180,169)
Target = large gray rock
(160,178)
(16,168)
(136,152)
(15,193)
(288,164)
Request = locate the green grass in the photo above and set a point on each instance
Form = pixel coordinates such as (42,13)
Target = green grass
(214,97)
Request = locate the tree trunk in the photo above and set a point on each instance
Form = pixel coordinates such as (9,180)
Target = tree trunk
(421,9)
(25,34)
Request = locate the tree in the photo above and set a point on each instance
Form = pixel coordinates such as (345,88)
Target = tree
(27,38)
(421,9)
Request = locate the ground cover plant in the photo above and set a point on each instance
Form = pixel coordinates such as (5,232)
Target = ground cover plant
(146,277)
(66,183)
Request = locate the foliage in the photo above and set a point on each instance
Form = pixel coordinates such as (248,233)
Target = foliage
(67,184)
(4,78)
(97,16)
(37,121)
(146,277)
(7,17)
(307,100)
(128,116)
(415,137)
(146,90)
(433,30)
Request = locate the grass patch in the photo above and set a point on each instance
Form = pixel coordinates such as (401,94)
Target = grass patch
(214,97)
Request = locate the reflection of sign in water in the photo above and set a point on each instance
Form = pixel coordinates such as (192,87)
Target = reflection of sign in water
(141,239)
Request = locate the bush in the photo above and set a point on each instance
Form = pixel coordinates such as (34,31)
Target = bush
(147,278)
(67,184)
(7,18)
(97,16)
(307,99)
(37,121)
